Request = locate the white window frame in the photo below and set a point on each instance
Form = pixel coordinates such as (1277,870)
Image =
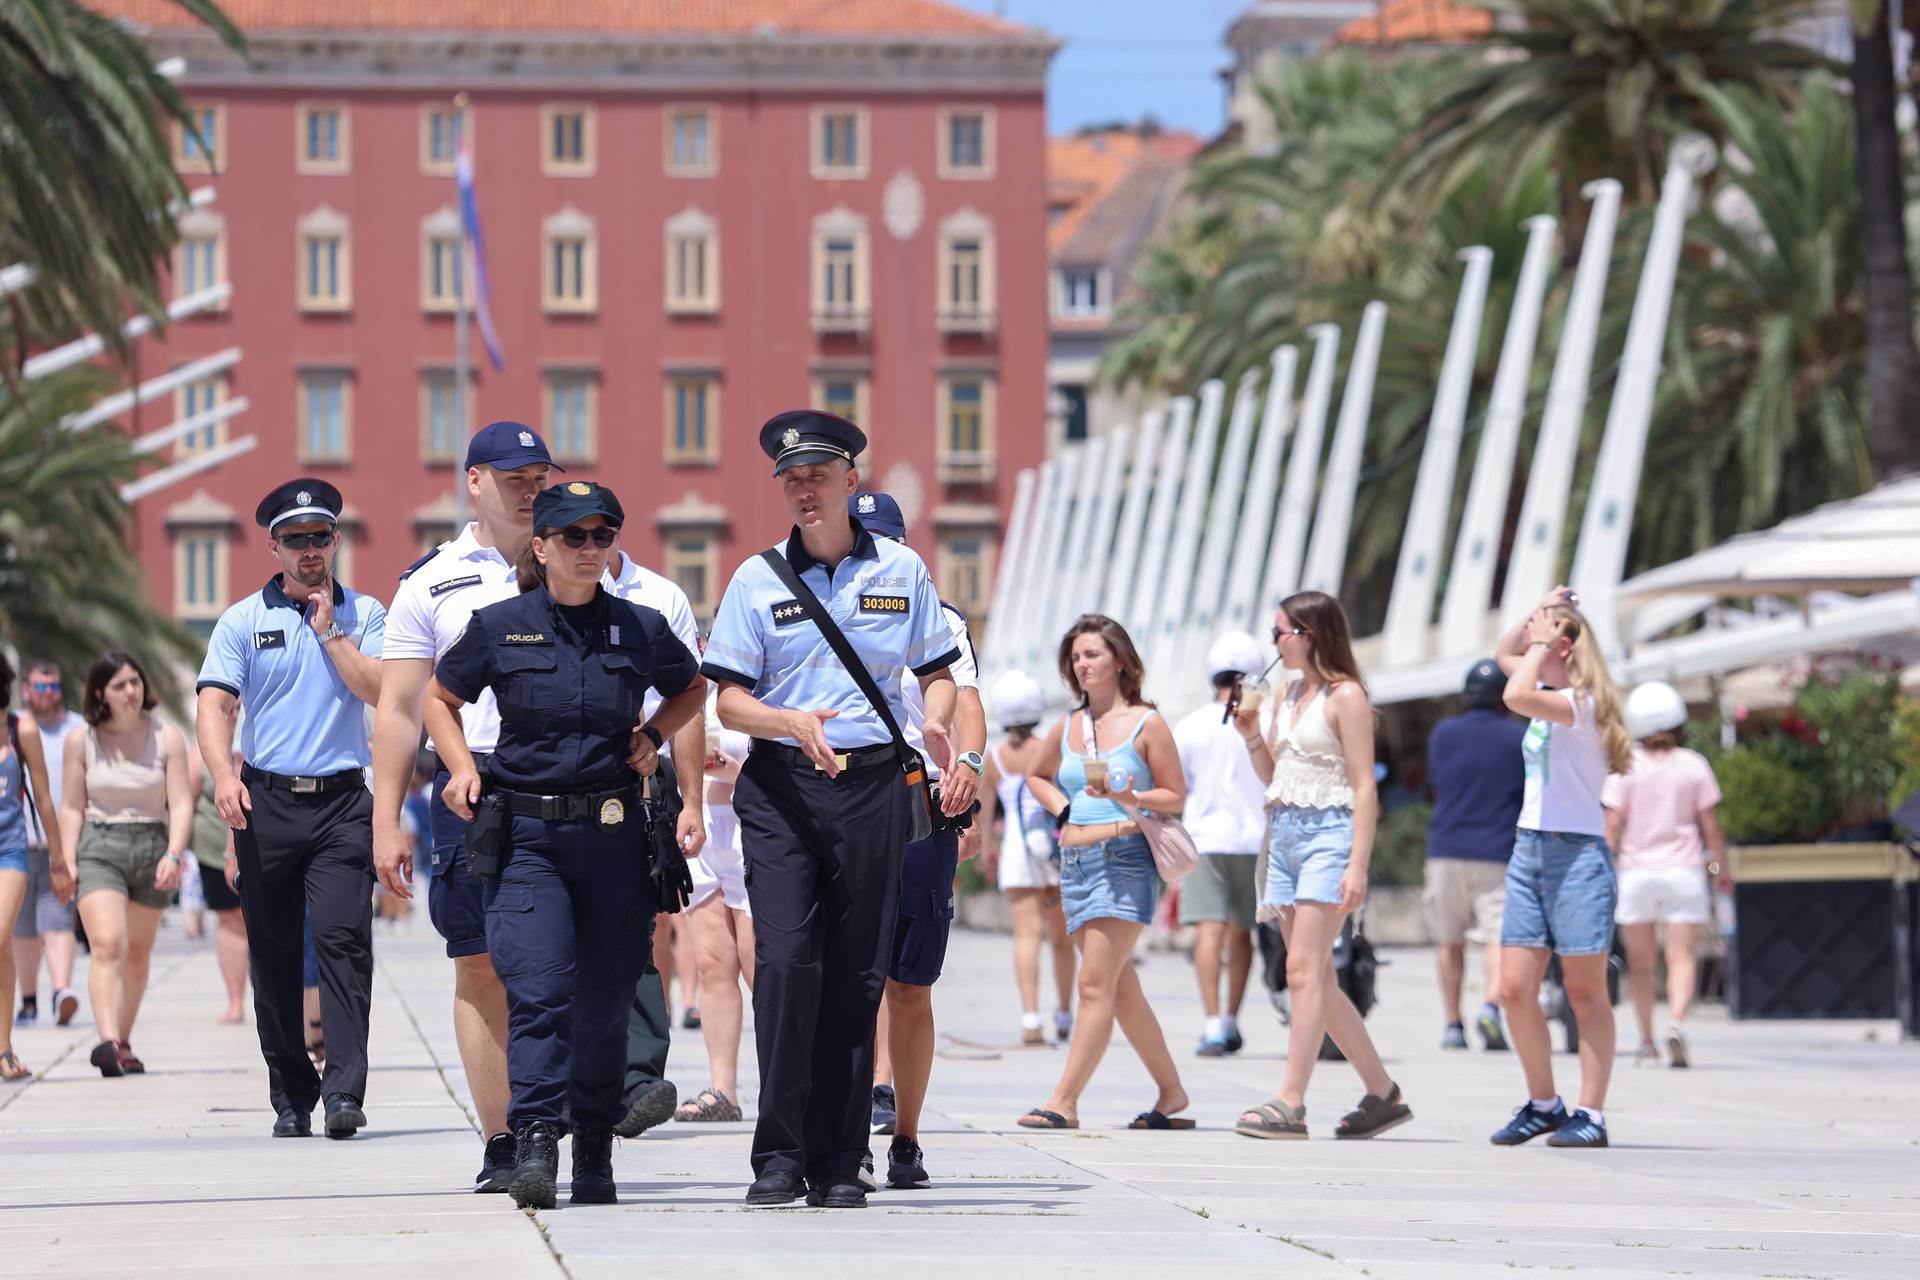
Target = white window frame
(428,112)
(435,380)
(705,167)
(1063,305)
(685,229)
(944,162)
(303,426)
(974,466)
(200,226)
(197,397)
(555,165)
(975,607)
(587,381)
(691,546)
(706,456)
(324,224)
(201,162)
(850,315)
(823,166)
(304,159)
(217,543)
(438,230)
(862,385)
(568,225)
(976,314)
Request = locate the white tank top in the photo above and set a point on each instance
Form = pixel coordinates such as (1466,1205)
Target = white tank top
(1027,824)
(1308,768)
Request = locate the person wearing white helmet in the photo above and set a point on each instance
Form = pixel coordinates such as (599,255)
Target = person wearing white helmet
(1661,824)
(1026,862)
(1226,814)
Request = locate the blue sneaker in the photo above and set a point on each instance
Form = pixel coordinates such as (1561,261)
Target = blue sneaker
(1528,1124)
(1492,1034)
(1582,1130)
(1455,1036)
(29,1011)
(1211,1048)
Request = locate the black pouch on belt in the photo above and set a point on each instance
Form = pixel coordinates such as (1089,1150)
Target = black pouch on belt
(959,821)
(487,836)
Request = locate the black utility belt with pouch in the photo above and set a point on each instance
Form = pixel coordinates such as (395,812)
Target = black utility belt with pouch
(491,832)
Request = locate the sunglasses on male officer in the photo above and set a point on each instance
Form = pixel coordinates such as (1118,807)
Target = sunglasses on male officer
(301,541)
(575,536)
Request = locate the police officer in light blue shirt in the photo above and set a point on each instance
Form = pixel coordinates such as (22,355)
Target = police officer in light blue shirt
(823,801)
(302,657)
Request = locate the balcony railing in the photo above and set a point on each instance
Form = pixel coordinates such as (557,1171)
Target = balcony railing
(966,468)
(835,317)
(967,320)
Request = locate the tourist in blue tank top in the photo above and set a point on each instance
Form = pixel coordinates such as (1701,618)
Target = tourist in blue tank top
(23,784)
(1113,753)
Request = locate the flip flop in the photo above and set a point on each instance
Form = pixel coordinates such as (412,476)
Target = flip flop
(1038,1119)
(1160,1120)
(11,1068)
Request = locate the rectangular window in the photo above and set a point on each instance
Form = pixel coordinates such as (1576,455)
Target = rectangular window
(190,400)
(200,574)
(440,139)
(690,142)
(964,292)
(567,149)
(840,267)
(965,445)
(569,415)
(1083,292)
(966,421)
(844,394)
(692,425)
(963,574)
(692,271)
(839,142)
(690,565)
(325,416)
(569,273)
(322,139)
(966,144)
(202,260)
(323,271)
(201,147)
(443,421)
(443,282)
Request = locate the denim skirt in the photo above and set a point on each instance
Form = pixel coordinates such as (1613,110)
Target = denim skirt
(1112,880)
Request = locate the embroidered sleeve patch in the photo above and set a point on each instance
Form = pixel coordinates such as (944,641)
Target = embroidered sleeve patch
(453,584)
(787,612)
(269,640)
(885,604)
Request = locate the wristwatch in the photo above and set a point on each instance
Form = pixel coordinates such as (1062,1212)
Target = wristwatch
(654,735)
(973,761)
(334,631)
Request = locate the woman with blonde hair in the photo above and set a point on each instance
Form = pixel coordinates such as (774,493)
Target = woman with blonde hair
(1113,753)
(1561,887)
(1322,811)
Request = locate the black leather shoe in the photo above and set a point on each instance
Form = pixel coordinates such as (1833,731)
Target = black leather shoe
(593,1167)
(771,1190)
(292,1123)
(344,1116)
(496,1166)
(536,1166)
(838,1194)
(653,1104)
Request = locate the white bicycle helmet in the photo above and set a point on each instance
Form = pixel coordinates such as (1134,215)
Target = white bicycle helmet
(1654,707)
(1016,699)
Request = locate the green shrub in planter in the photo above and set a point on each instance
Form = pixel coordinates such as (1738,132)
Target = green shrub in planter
(1764,798)
(1906,752)
(1400,846)
(1854,714)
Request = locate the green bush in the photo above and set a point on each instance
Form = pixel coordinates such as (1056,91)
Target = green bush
(1906,752)
(1854,714)
(1400,846)
(1764,797)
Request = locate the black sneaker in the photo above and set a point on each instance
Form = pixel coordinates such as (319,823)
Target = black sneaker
(496,1167)
(1492,1035)
(593,1167)
(536,1166)
(906,1165)
(652,1105)
(344,1116)
(1528,1124)
(1580,1130)
(883,1108)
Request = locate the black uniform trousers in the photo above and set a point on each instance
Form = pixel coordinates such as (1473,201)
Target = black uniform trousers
(567,929)
(823,858)
(300,851)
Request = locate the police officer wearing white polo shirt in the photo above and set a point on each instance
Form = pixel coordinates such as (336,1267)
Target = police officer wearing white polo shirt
(507,465)
(824,799)
(302,656)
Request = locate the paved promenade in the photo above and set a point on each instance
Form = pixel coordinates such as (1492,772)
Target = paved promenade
(1793,1149)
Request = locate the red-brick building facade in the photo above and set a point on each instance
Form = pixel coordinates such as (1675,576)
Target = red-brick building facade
(696,214)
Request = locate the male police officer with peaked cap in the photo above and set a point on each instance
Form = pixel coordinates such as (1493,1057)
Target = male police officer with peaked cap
(303,657)
(823,801)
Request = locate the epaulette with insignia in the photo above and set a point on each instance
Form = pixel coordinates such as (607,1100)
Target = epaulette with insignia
(408,571)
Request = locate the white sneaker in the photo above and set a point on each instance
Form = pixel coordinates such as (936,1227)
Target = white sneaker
(1646,1056)
(867,1179)
(1677,1052)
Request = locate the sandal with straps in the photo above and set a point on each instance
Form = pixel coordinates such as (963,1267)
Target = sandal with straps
(11,1068)
(1276,1120)
(709,1106)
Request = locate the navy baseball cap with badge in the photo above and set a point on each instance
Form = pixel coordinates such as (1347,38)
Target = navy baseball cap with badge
(799,437)
(299,501)
(508,446)
(563,504)
(878,514)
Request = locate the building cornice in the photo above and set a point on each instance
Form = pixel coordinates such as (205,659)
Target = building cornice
(471,61)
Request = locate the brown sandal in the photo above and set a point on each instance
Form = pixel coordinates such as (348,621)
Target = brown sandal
(709,1106)
(1273,1119)
(11,1068)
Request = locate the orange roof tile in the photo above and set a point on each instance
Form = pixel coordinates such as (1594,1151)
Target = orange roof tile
(1084,168)
(626,17)
(1418,22)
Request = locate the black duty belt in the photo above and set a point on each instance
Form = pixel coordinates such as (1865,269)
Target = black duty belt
(857,758)
(608,808)
(350,780)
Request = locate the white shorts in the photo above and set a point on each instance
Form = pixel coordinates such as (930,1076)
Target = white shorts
(1676,896)
(1032,867)
(719,868)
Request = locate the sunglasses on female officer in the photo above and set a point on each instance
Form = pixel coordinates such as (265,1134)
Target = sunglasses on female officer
(301,541)
(575,536)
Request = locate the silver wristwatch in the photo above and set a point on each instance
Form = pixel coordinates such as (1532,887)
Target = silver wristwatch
(334,631)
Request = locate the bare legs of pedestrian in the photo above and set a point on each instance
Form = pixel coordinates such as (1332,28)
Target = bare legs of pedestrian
(13,898)
(723,954)
(480,1029)
(908,1021)
(1585,978)
(1037,918)
(1683,975)
(230,949)
(1110,991)
(56,946)
(1215,942)
(1320,1007)
(121,934)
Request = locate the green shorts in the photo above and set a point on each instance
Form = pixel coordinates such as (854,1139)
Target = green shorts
(121,857)
(1220,890)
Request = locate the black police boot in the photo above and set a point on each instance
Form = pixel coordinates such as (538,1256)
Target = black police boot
(292,1122)
(593,1167)
(344,1116)
(536,1165)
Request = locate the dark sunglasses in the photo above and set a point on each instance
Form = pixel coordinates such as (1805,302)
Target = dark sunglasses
(1292,631)
(301,541)
(574,536)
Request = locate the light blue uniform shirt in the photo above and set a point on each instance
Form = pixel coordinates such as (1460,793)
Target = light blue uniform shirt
(301,720)
(881,596)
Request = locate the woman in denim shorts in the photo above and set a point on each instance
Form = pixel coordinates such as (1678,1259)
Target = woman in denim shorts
(1561,890)
(26,810)
(1114,748)
(1322,808)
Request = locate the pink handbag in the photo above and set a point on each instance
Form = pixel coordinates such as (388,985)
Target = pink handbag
(1175,856)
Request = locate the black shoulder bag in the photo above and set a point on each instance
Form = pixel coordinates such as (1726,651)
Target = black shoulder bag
(921,819)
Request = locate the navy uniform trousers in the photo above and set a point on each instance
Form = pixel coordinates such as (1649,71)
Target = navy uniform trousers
(302,850)
(567,924)
(823,859)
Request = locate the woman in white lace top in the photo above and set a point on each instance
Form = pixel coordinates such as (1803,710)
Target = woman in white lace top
(1322,809)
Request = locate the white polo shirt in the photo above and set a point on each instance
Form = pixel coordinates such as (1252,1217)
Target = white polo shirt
(430,610)
(966,675)
(639,585)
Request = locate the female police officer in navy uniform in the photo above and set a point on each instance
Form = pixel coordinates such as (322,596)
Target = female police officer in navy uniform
(570,897)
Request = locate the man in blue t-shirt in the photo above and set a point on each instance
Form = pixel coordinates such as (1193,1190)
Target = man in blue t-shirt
(1475,770)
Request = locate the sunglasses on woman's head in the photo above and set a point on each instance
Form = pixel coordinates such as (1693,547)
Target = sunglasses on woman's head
(301,541)
(574,536)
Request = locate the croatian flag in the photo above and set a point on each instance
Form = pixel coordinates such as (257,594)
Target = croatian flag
(470,219)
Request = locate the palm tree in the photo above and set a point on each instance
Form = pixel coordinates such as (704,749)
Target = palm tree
(70,586)
(87,170)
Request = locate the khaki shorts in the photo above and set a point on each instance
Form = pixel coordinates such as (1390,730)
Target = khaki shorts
(1222,889)
(121,857)
(1463,899)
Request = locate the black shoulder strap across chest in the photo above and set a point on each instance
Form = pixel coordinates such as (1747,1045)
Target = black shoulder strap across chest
(842,647)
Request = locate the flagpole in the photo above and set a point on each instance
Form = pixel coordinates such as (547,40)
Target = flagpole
(462,269)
